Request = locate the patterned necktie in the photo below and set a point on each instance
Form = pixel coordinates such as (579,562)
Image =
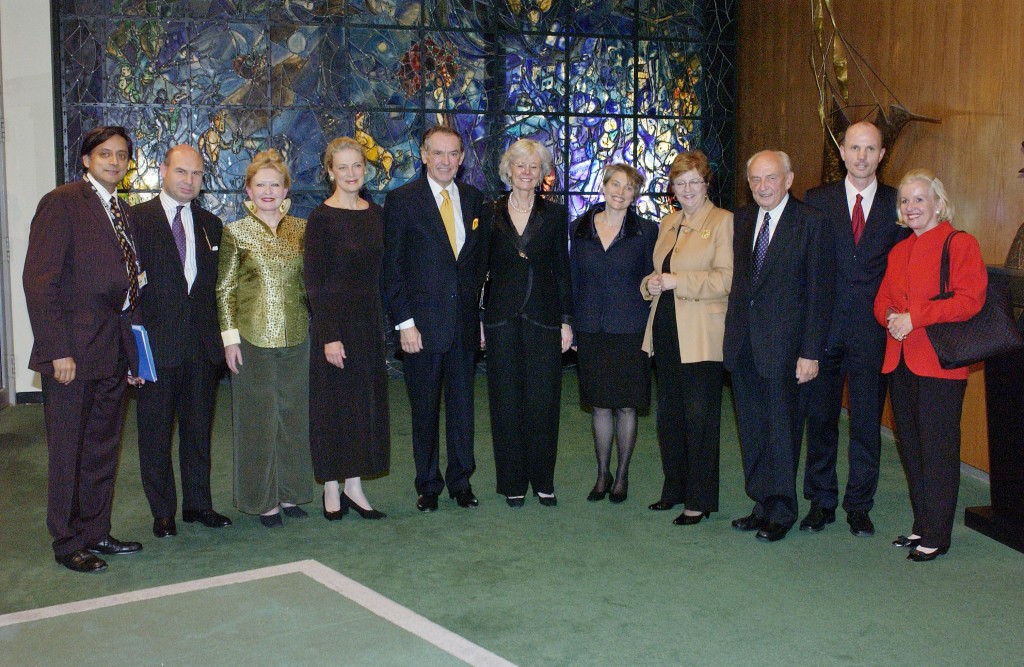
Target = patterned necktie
(127,252)
(858,220)
(178,230)
(761,245)
(448,216)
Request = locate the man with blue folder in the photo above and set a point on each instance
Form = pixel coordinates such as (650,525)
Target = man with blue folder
(178,244)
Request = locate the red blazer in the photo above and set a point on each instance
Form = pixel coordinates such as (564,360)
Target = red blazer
(912,279)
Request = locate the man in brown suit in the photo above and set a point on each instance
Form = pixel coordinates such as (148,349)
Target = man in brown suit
(81,283)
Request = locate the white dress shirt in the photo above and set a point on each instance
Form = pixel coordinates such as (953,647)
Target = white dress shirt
(170,208)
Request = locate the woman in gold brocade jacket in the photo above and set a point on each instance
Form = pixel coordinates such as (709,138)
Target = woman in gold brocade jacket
(264,322)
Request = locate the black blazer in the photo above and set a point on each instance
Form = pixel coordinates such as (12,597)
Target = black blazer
(785,313)
(422,278)
(529,275)
(168,307)
(858,268)
(606,283)
(75,285)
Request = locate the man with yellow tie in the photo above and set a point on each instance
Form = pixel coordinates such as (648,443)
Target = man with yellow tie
(433,273)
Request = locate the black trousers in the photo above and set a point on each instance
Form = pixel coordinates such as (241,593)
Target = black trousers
(767,413)
(689,423)
(425,375)
(822,400)
(524,385)
(927,415)
(83,438)
(188,391)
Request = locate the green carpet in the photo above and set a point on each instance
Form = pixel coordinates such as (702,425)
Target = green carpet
(580,584)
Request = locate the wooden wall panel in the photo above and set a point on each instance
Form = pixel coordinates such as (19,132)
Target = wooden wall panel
(958,60)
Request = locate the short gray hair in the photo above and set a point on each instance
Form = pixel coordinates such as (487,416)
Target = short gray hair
(520,150)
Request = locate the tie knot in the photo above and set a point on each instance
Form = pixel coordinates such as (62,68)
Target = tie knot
(767,217)
(444,194)
(181,206)
(859,197)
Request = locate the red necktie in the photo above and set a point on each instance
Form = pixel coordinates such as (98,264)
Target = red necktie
(858,220)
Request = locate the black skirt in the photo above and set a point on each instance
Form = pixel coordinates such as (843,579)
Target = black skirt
(614,372)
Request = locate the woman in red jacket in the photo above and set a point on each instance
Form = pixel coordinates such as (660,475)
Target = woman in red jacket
(926,398)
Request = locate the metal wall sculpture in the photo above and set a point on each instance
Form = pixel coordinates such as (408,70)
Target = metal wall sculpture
(595,80)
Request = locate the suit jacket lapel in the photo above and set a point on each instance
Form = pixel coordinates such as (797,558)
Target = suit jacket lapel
(844,231)
(469,222)
(99,212)
(784,231)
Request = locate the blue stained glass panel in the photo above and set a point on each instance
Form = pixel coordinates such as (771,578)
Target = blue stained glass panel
(601,76)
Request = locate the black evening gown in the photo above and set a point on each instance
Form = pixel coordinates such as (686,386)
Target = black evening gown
(349,432)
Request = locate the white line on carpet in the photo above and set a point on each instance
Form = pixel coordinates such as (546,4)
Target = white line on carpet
(391,611)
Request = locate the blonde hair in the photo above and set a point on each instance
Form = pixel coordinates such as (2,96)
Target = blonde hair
(946,209)
(520,150)
(268,159)
(635,178)
(338,145)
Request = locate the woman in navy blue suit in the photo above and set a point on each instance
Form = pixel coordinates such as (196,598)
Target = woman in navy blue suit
(611,251)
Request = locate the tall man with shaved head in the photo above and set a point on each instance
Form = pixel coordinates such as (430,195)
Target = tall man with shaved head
(860,215)
(775,330)
(177,245)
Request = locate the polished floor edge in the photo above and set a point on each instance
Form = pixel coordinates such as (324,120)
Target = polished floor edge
(391,611)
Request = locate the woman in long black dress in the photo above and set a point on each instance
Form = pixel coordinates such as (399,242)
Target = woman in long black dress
(348,398)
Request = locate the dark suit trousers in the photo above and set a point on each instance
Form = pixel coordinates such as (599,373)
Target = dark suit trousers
(524,385)
(689,420)
(83,437)
(189,391)
(823,402)
(425,374)
(767,412)
(927,415)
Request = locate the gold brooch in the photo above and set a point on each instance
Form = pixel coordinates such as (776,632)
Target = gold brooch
(705,234)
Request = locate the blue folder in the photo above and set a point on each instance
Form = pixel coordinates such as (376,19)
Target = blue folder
(147,368)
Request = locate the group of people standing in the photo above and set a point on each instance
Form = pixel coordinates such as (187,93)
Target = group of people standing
(791,298)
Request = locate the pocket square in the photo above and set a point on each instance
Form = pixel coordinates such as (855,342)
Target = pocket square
(476,223)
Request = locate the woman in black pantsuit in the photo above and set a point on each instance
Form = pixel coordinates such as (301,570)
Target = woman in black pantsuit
(527,318)
(610,254)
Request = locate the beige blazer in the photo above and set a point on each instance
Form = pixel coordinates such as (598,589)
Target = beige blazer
(702,261)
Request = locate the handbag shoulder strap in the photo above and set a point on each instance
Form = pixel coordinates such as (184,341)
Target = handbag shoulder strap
(944,292)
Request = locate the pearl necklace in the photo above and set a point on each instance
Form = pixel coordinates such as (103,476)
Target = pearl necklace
(512,203)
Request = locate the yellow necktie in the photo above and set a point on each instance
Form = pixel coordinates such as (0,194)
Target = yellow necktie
(448,216)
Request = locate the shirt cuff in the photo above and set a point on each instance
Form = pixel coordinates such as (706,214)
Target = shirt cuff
(231,337)
(408,324)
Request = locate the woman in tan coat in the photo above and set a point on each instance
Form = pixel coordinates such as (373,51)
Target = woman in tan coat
(693,262)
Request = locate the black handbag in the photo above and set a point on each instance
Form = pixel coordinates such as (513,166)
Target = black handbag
(989,333)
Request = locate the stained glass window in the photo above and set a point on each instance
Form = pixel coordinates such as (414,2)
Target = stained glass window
(596,81)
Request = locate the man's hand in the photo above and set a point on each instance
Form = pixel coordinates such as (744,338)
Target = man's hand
(64,370)
(566,337)
(412,341)
(233,357)
(806,370)
(135,381)
(335,354)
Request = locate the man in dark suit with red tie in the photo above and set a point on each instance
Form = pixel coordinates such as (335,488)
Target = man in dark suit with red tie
(860,216)
(178,245)
(775,329)
(81,284)
(432,277)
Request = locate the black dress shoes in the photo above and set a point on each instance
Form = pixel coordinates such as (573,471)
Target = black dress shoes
(905,542)
(82,560)
(371,513)
(294,512)
(685,519)
(427,502)
(465,498)
(515,502)
(164,526)
(919,556)
(661,505)
(272,520)
(551,501)
(207,517)
(749,522)
(860,523)
(817,517)
(772,532)
(111,546)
